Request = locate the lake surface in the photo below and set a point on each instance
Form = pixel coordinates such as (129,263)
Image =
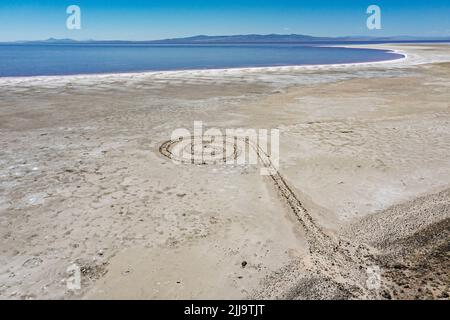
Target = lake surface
(37,60)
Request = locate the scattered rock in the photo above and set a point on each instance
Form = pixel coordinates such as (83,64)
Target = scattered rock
(126,272)
(386,295)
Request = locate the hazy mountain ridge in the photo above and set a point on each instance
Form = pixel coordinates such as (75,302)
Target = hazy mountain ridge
(248,38)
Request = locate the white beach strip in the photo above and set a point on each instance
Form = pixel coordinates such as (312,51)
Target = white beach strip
(63,79)
(410,58)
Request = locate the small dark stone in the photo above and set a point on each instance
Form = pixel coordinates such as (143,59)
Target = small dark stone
(386,295)
(244,264)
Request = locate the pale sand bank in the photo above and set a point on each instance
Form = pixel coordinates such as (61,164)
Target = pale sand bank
(82,179)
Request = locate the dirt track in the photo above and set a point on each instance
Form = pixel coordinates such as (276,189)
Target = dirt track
(332,258)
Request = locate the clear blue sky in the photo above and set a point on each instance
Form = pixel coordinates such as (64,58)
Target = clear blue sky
(156,19)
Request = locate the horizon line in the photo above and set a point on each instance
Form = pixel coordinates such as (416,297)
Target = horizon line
(418,38)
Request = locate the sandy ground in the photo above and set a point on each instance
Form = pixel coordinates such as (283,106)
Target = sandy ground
(363,181)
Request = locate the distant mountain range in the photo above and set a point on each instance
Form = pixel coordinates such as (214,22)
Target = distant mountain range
(249,38)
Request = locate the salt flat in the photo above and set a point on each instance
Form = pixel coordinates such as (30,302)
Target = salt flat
(83,181)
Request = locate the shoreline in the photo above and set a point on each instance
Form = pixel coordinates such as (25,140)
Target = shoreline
(142,74)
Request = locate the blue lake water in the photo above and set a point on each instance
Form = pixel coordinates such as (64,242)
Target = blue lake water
(36,60)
